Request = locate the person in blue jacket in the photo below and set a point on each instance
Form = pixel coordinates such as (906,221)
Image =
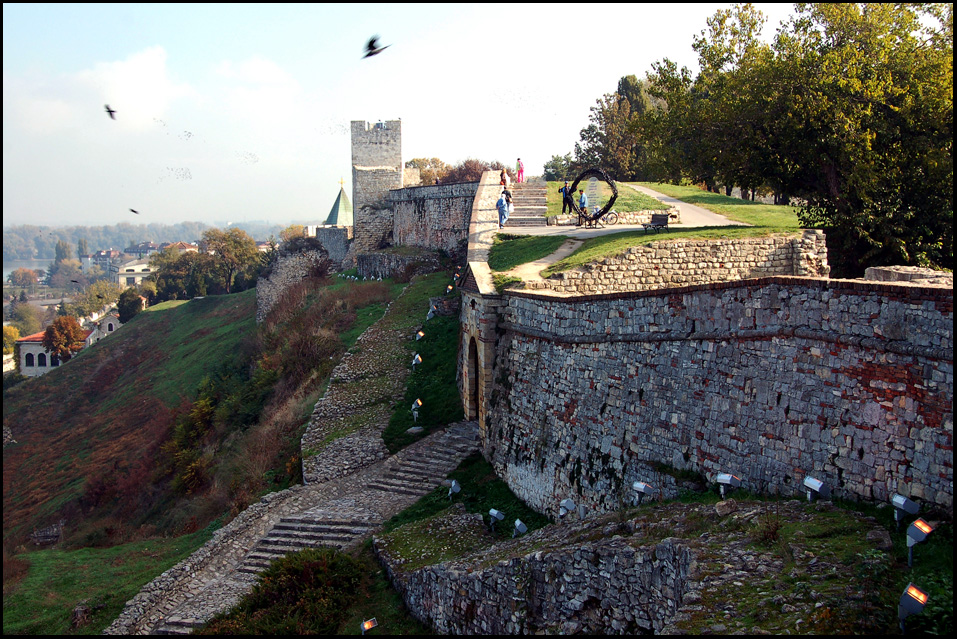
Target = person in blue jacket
(502,206)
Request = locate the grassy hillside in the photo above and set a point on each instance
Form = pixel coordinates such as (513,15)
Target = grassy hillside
(106,412)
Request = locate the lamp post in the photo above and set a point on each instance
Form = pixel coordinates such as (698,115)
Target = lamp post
(816,486)
(727,479)
(912,601)
(903,505)
(916,533)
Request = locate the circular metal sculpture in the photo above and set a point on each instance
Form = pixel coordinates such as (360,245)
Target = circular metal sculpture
(585,215)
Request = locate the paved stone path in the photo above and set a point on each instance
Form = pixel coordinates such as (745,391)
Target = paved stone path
(352,487)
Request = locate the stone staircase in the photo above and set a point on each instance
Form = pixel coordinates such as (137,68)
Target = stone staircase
(529,200)
(343,520)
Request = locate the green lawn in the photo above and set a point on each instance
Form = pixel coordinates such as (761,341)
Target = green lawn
(509,251)
(770,216)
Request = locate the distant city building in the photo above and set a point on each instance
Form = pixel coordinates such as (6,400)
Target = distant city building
(143,249)
(182,247)
(34,359)
(133,272)
(102,259)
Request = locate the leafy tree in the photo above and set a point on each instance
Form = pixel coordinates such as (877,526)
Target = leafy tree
(232,250)
(10,336)
(82,248)
(471,170)
(183,275)
(26,318)
(431,170)
(558,168)
(23,277)
(291,231)
(64,337)
(62,251)
(129,305)
(94,298)
(63,273)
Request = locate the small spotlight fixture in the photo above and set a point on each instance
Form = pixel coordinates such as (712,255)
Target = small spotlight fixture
(455,488)
(642,488)
(369,624)
(419,335)
(494,516)
(916,533)
(520,529)
(903,505)
(727,479)
(429,315)
(913,600)
(449,289)
(816,486)
(416,361)
(415,409)
(566,506)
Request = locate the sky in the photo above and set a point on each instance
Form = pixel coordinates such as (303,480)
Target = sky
(239,113)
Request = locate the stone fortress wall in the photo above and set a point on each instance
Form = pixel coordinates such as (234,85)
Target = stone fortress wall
(770,379)
(433,217)
(683,262)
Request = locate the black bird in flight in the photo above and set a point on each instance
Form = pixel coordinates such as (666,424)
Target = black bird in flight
(110,111)
(135,211)
(373,48)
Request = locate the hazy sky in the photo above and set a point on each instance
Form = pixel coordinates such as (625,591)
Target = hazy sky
(226,113)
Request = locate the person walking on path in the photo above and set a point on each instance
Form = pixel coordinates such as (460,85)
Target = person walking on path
(583,206)
(502,206)
(566,197)
(520,170)
(503,178)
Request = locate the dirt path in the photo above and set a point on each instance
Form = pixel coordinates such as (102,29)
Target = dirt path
(531,271)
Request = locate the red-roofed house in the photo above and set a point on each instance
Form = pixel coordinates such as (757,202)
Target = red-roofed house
(34,359)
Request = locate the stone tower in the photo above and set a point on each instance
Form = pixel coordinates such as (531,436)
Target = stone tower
(376,169)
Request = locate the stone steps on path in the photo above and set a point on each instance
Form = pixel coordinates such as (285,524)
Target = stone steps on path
(530,204)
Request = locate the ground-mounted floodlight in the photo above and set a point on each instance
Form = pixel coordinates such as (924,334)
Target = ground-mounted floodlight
(913,600)
(727,479)
(454,488)
(449,289)
(903,505)
(416,360)
(429,315)
(566,506)
(520,529)
(419,335)
(642,488)
(416,405)
(494,516)
(816,487)
(369,624)
(916,533)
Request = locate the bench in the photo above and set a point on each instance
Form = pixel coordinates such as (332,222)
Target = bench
(658,221)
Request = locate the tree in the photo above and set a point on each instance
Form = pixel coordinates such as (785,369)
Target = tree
(291,231)
(183,275)
(471,170)
(232,250)
(94,298)
(26,318)
(10,336)
(558,168)
(129,305)
(64,337)
(82,248)
(24,278)
(62,251)
(431,170)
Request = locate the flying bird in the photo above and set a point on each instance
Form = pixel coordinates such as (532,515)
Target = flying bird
(110,111)
(373,48)
(135,211)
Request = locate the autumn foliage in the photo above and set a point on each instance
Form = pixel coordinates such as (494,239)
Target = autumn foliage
(64,337)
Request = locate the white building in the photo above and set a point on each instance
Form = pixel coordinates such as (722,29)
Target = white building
(34,359)
(132,273)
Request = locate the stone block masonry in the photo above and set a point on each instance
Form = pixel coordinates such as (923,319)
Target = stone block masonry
(433,217)
(288,271)
(770,379)
(682,262)
(376,169)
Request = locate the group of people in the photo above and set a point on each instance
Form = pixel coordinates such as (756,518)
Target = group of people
(568,194)
(504,204)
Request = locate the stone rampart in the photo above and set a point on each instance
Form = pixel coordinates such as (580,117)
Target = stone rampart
(583,578)
(681,262)
(288,271)
(384,264)
(770,379)
(433,217)
(335,239)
